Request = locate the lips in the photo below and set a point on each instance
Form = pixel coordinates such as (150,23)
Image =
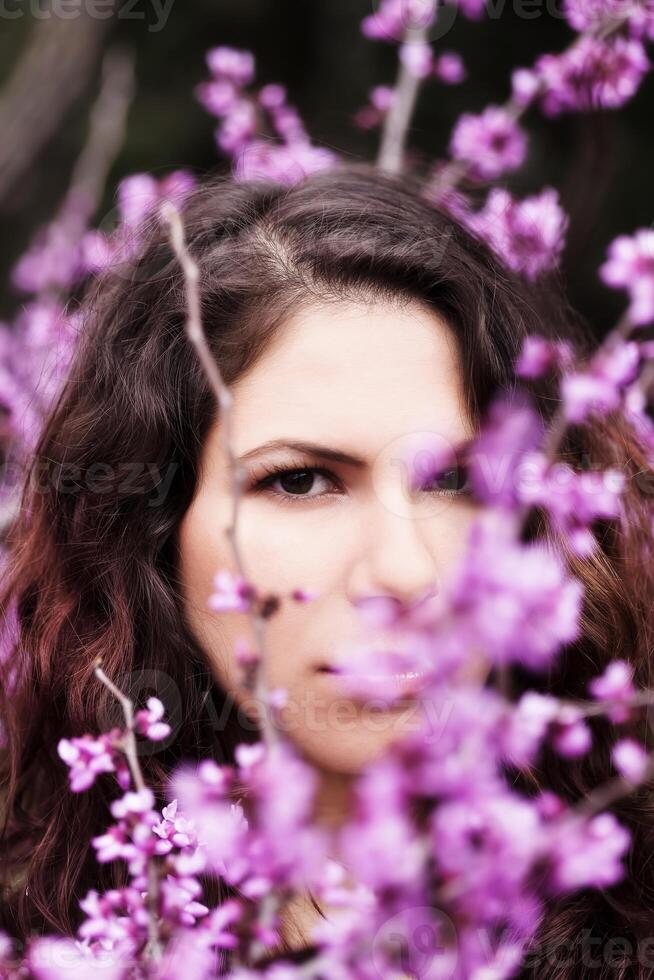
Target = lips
(388,686)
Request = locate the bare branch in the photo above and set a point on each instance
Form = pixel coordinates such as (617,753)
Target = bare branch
(398,117)
(198,338)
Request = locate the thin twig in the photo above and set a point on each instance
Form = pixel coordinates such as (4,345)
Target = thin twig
(452,173)
(53,71)
(224,397)
(128,745)
(106,132)
(398,117)
(105,138)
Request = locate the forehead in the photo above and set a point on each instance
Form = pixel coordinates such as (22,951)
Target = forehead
(360,373)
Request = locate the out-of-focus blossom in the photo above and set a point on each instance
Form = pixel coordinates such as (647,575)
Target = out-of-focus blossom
(600,388)
(630,266)
(518,604)
(392,18)
(232,593)
(588,853)
(450,68)
(616,685)
(574,500)
(527,235)
(230,63)
(571,736)
(539,355)
(511,430)
(148,721)
(491,143)
(591,15)
(630,759)
(417,58)
(288,163)
(590,74)
(60,958)
(381,99)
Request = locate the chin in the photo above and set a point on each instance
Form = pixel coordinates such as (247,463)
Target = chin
(347,749)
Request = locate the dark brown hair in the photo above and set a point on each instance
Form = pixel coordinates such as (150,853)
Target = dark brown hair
(94,573)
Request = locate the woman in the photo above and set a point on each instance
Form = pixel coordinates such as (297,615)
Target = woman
(346,313)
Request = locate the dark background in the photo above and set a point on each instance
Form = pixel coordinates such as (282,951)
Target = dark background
(601,163)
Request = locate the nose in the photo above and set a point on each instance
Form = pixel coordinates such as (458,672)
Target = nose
(394,565)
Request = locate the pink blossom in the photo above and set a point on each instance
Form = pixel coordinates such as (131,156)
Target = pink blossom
(630,266)
(417,58)
(525,86)
(381,99)
(511,430)
(60,958)
(600,388)
(87,757)
(588,853)
(571,736)
(589,15)
(527,727)
(238,127)
(539,355)
(232,593)
(219,96)
(148,721)
(592,73)
(615,684)
(527,235)
(573,499)
(231,63)
(630,759)
(521,600)
(390,21)
(491,143)
(133,803)
(272,96)
(488,845)
(472,9)
(287,164)
(449,68)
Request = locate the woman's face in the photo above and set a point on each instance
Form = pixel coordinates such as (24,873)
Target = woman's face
(362,380)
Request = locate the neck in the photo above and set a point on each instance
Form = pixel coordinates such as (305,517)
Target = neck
(333,807)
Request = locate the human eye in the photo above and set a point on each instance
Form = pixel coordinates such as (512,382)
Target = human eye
(298,480)
(452,480)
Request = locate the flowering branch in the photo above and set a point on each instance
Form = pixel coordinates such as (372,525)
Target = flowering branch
(198,338)
(531,87)
(398,117)
(128,744)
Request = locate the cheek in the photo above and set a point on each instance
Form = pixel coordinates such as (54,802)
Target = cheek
(281,551)
(284,550)
(448,532)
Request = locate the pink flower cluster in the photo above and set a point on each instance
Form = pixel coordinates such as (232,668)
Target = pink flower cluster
(491,143)
(485,860)
(283,152)
(529,235)
(591,74)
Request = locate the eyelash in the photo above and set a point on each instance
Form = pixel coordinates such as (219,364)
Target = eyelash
(272,472)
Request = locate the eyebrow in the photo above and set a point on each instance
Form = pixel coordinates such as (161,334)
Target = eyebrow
(308,448)
(326,452)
